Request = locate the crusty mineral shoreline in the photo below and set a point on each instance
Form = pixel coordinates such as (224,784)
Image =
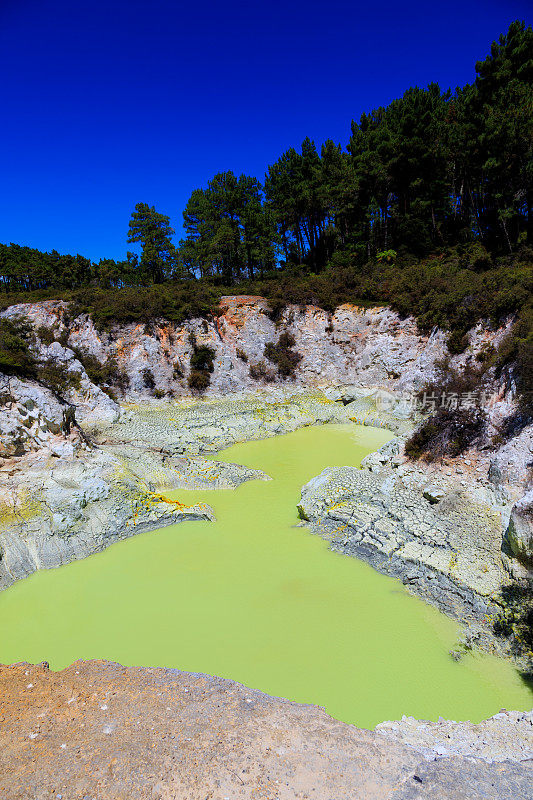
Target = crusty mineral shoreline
(69,499)
(100,730)
(438,529)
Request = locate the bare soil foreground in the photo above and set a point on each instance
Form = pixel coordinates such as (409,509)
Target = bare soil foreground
(100,731)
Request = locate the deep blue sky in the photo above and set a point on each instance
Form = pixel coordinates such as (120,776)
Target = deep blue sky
(106,103)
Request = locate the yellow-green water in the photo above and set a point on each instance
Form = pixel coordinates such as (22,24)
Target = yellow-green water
(255,599)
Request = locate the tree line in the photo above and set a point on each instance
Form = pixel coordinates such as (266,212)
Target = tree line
(432,170)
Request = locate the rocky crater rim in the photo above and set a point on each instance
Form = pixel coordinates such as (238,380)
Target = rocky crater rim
(493,739)
(182,734)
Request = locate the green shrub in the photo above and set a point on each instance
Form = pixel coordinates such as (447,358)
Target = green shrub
(106,374)
(260,372)
(148,378)
(202,358)
(283,355)
(201,364)
(450,430)
(515,621)
(46,334)
(515,357)
(389,256)
(457,342)
(198,380)
(175,302)
(446,433)
(16,357)
(55,375)
(6,399)
(241,355)
(474,256)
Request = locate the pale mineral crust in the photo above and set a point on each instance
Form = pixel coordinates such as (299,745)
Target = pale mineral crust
(99,730)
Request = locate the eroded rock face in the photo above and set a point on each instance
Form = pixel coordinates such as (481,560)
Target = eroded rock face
(507,735)
(447,551)
(372,347)
(56,507)
(519,533)
(354,347)
(30,416)
(157,734)
(90,402)
(510,466)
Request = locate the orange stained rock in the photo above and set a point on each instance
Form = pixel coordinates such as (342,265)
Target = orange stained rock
(100,730)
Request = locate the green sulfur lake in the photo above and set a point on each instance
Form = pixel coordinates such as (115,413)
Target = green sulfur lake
(257,598)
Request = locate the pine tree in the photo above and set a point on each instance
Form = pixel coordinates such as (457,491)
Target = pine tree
(152,231)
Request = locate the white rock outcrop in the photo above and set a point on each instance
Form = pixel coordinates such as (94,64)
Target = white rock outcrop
(519,533)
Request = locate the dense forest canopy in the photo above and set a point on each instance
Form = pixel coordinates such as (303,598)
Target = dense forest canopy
(432,170)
